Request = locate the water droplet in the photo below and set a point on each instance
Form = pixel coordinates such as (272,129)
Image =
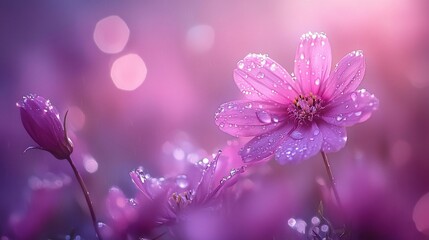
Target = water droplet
(260,75)
(101,225)
(353,96)
(204,162)
(132,201)
(316,132)
(317,82)
(357,114)
(301,56)
(339,118)
(273,67)
(297,135)
(263,116)
(275,119)
(248,150)
(221,125)
(240,64)
(182,181)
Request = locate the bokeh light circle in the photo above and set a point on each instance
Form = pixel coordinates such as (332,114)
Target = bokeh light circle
(200,38)
(128,72)
(111,34)
(421,214)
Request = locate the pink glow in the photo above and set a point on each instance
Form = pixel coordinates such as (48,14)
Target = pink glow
(128,72)
(421,214)
(76,118)
(200,38)
(111,34)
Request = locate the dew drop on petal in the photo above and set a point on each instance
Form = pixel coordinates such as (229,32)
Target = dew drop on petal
(297,135)
(316,132)
(263,116)
(132,201)
(339,118)
(101,225)
(357,114)
(353,96)
(317,82)
(240,64)
(275,119)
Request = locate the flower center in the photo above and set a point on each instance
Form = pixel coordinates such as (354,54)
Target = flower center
(305,108)
(179,201)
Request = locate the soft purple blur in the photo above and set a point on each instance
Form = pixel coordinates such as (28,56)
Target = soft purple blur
(158,108)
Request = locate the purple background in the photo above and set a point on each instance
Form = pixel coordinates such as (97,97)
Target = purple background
(47,47)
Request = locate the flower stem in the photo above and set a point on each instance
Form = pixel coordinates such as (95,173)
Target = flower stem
(345,232)
(331,178)
(86,194)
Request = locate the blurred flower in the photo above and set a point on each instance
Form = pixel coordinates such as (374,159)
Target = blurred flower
(197,189)
(43,124)
(296,117)
(31,219)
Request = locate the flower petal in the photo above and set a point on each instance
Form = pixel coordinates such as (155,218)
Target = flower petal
(304,142)
(347,76)
(249,118)
(260,78)
(149,186)
(334,137)
(265,145)
(352,108)
(313,62)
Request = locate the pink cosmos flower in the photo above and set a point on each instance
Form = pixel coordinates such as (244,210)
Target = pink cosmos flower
(296,116)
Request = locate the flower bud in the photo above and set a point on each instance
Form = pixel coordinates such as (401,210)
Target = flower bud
(43,124)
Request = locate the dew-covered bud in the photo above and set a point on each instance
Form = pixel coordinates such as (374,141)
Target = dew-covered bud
(43,124)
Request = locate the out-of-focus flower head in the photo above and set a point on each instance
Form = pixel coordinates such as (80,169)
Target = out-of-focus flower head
(196,189)
(42,122)
(296,116)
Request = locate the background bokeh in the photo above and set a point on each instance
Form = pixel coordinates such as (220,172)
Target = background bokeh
(142,80)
